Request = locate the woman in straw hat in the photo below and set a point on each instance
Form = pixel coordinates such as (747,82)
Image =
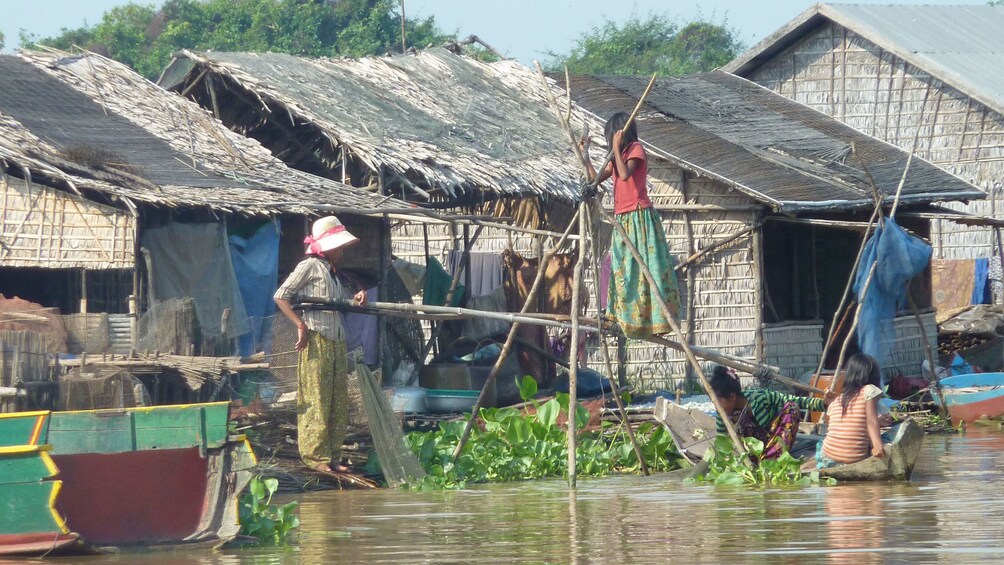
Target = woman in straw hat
(322,371)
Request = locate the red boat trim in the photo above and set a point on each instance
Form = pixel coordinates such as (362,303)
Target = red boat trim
(34,543)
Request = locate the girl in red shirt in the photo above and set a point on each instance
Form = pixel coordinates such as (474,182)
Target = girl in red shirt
(631,299)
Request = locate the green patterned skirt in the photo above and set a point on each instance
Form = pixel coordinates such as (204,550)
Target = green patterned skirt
(632,300)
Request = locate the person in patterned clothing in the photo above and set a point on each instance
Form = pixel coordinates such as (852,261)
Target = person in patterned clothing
(322,368)
(770,416)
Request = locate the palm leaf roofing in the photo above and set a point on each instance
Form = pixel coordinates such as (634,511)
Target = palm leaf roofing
(157,148)
(961,45)
(461,125)
(780,152)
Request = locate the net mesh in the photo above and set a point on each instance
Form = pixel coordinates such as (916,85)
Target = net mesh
(96,387)
(398,463)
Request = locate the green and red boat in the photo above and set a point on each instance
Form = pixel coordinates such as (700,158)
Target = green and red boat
(96,479)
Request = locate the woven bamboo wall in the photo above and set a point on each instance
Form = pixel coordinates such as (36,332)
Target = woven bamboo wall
(44,227)
(795,347)
(908,350)
(841,74)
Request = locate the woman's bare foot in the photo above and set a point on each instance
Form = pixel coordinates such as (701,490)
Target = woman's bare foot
(325,468)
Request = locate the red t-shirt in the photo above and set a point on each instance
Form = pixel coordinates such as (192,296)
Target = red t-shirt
(632,193)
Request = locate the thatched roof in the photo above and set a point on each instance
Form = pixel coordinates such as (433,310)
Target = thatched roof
(777,151)
(450,125)
(86,123)
(960,45)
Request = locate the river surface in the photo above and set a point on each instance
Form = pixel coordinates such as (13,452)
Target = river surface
(952,512)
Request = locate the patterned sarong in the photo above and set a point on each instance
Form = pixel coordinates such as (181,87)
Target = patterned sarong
(322,403)
(779,436)
(632,300)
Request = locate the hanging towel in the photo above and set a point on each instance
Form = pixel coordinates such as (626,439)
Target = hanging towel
(437,285)
(486,271)
(981,272)
(951,282)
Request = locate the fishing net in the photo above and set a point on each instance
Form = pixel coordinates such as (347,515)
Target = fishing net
(398,463)
(96,387)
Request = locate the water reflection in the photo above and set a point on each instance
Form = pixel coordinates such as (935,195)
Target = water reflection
(951,512)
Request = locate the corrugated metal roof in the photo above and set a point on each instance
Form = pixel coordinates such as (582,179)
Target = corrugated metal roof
(961,45)
(778,151)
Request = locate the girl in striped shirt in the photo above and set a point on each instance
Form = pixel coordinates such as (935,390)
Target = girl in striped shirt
(853,423)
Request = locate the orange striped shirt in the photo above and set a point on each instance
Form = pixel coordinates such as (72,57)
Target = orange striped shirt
(846,438)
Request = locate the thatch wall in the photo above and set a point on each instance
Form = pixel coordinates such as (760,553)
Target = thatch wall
(44,227)
(840,73)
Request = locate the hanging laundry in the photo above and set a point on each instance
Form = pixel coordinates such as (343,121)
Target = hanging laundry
(437,285)
(361,330)
(951,281)
(486,271)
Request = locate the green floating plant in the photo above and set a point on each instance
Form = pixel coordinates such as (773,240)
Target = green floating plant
(511,444)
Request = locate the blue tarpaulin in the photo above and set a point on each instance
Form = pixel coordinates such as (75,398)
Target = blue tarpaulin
(256,266)
(900,257)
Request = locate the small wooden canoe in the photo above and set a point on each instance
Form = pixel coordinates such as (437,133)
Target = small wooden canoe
(83,481)
(897,464)
(973,397)
(694,431)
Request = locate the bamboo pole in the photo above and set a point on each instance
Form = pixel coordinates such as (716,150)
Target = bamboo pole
(844,301)
(685,264)
(871,273)
(423,311)
(530,298)
(606,350)
(573,361)
(942,407)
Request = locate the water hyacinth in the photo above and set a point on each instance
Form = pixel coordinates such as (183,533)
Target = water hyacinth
(514,444)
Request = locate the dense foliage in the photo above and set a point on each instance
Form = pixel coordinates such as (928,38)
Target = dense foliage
(269,524)
(726,467)
(513,444)
(651,45)
(144,37)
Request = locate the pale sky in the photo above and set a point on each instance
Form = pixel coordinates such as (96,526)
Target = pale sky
(524,29)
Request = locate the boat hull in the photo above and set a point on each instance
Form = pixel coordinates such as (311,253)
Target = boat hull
(118,478)
(973,397)
(897,464)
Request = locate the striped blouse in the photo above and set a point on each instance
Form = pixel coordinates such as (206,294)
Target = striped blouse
(846,438)
(312,278)
(767,404)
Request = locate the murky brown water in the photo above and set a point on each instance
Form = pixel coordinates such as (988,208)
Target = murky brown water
(952,512)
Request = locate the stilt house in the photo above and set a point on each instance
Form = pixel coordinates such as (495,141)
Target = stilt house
(764,201)
(925,78)
(102,175)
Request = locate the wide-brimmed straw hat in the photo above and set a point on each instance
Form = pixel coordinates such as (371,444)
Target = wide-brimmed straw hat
(326,234)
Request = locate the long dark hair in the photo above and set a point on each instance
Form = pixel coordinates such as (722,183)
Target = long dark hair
(862,370)
(724,383)
(616,123)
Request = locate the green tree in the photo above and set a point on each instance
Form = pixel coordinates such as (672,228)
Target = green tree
(654,44)
(144,37)
(1,40)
